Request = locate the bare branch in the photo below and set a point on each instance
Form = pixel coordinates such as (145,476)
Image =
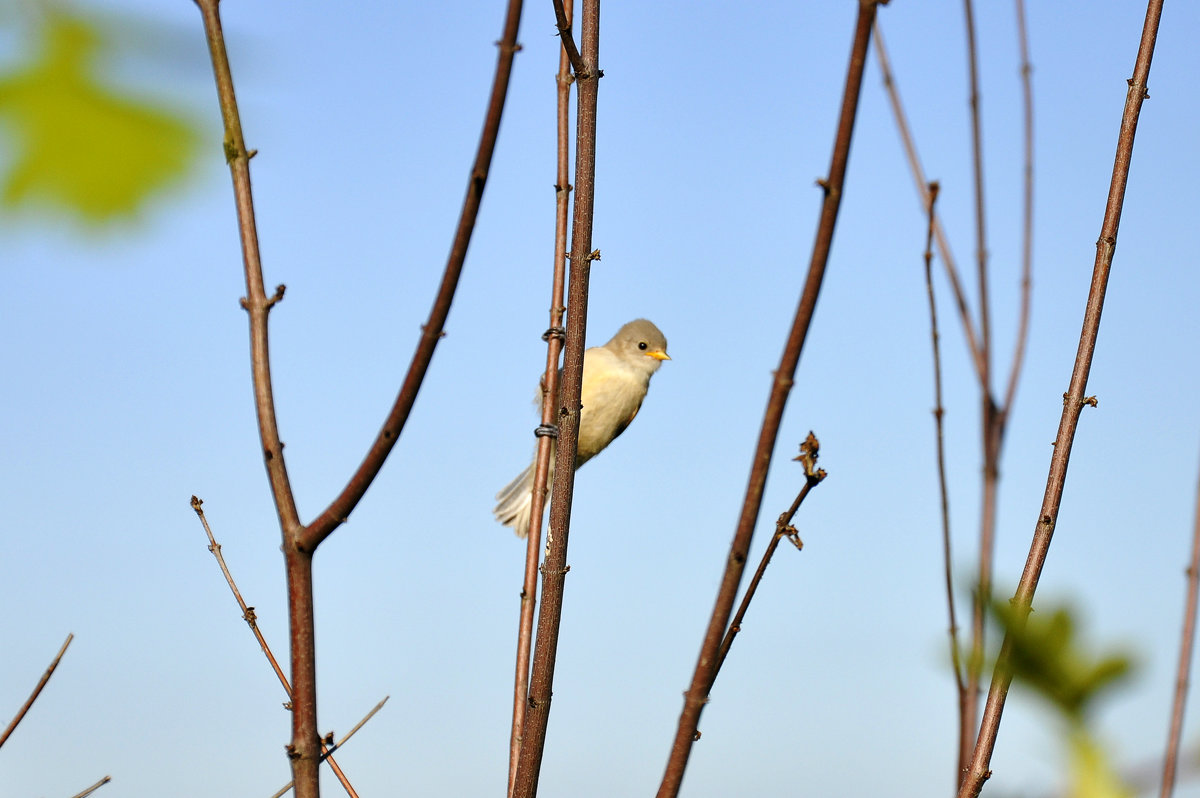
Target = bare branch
(562,15)
(554,567)
(329,752)
(37,690)
(251,620)
(1074,400)
(554,340)
(914,163)
(93,788)
(783,529)
(431,332)
(1187,643)
(704,674)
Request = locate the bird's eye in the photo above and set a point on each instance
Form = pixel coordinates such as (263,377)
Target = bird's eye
(642,345)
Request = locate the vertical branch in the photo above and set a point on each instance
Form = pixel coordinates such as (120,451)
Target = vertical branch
(914,164)
(1187,642)
(1073,401)
(1027,216)
(704,674)
(554,340)
(966,734)
(554,567)
(988,415)
(37,690)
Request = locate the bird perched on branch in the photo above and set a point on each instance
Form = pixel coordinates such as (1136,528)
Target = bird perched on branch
(615,379)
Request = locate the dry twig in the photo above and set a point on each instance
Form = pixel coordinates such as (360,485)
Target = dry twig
(328,753)
(704,674)
(1187,643)
(93,788)
(37,690)
(1074,400)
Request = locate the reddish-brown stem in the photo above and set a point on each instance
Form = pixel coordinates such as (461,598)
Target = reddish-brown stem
(1073,401)
(93,788)
(783,529)
(37,690)
(545,449)
(1018,359)
(562,16)
(914,163)
(702,678)
(251,620)
(341,507)
(554,567)
(328,753)
(1187,643)
(299,542)
(965,736)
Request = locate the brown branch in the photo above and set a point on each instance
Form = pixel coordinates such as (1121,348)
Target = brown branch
(554,568)
(251,619)
(1018,359)
(1073,401)
(37,690)
(1187,643)
(93,788)
(562,17)
(328,753)
(341,507)
(783,529)
(554,340)
(914,163)
(704,674)
(966,735)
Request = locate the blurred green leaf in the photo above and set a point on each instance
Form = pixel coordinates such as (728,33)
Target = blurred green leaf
(78,144)
(1091,774)
(1046,656)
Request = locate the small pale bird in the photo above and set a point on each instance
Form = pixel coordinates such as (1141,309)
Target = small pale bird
(615,379)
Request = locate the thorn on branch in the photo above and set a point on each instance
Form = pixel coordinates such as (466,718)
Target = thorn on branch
(1091,401)
(279,289)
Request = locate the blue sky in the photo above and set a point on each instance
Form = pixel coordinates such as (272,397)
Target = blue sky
(128,391)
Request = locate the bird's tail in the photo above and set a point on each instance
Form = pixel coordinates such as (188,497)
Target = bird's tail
(513,502)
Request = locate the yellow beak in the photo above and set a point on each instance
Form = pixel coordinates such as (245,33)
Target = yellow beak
(658,354)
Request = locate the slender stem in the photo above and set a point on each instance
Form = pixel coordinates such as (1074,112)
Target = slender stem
(1187,643)
(966,735)
(704,674)
(914,163)
(554,567)
(783,529)
(328,754)
(562,16)
(432,331)
(1018,359)
(1073,401)
(545,450)
(251,619)
(93,788)
(37,690)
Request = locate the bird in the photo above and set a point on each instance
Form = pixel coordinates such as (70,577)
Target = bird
(616,377)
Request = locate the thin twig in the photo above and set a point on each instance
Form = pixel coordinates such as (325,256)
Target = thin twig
(36,690)
(914,163)
(329,752)
(251,619)
(939,413)
(1018,359)
(1074,401)
(1187,643)
(545,450)
(703,676)
(783,529)
(554,567)
(562,16)
(93,788)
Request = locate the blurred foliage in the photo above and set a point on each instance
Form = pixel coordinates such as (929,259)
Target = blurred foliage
(1047,657)
(80,145)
